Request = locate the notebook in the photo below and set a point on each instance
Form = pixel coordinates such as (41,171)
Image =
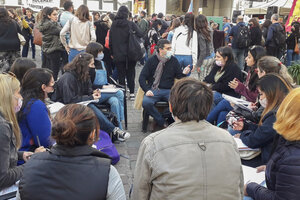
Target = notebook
(251,175)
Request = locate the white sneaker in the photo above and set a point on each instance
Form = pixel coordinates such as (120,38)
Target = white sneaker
(121,135)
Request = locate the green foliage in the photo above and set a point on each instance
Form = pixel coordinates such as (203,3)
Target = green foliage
(294,71)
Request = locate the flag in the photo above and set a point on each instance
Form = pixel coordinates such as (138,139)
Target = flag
(190,10)
(294,15)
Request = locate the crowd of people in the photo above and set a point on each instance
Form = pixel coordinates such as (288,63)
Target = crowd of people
(188,63)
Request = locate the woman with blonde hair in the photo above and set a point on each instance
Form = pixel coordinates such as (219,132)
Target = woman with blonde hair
(10,136)
(283,169)
(82,32)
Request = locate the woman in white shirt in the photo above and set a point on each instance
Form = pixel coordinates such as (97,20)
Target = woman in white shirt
(185,42)
(82,32)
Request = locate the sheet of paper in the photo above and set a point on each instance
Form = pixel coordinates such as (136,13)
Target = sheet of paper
(238,102)
(85,103)
(250,175)
(109,90)
(55,107)
(242,146)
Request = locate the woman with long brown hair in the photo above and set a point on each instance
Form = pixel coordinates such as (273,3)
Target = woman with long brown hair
(206,53)
(255,32)
(273,89)
(175,23)
(75,86)
(82,32)
(185,43)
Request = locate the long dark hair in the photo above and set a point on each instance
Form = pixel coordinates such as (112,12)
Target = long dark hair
(80,65)
(122,13)
(257,53)
(4,17)
(267,23)
(45,12)
(189,22)
(21,66)
(226,52)
(32,88)
(201,26)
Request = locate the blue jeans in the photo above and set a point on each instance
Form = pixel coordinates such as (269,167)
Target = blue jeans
(239,56)
(217,98)
(73,53)
(116,102)
(148,104)
(26,47)
(219,112)
(184,61)
(105,124)
(291,56)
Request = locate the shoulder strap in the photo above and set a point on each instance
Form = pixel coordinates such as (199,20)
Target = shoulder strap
(59,17)
(178,35)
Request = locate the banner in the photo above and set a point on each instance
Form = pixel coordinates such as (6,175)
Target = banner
(293,16)
(38,5)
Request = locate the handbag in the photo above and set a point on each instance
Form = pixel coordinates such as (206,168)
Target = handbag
(296,50)
(22,39)
(135,46)
(106,45)
(106,146)
(37,37)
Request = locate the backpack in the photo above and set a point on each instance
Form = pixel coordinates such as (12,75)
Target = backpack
(279,36)
(105,145)
(243,37)
(136,47)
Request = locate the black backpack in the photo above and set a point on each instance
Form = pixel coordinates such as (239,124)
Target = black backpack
(136,49)
(279,36)
(243,37)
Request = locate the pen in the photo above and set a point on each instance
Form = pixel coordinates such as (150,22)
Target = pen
(39,143)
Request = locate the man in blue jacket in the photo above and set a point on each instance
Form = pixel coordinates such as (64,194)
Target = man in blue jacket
(238,50)
(273,49)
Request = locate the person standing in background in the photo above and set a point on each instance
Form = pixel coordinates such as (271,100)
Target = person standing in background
(9,41)
(226,29)
(81,30)
(67,15)
(29,37)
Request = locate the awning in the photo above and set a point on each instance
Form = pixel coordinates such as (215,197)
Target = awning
(260,8)
(255,11)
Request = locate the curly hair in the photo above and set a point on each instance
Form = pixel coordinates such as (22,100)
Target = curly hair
(80,65)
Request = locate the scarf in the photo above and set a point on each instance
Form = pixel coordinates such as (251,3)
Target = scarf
(159,71)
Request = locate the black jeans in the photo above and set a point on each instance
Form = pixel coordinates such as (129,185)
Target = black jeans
(128,72)
(55,60)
